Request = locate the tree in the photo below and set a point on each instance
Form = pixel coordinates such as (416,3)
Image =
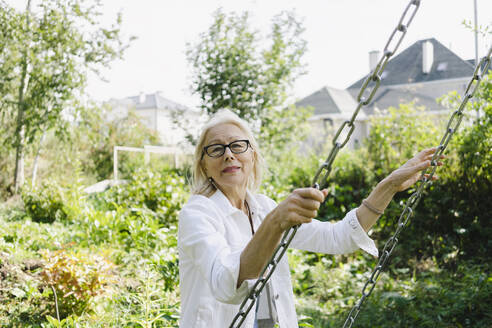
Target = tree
(235,67)
(232,70)
(46,54)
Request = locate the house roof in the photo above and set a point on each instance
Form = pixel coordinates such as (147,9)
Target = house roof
(406,67)
(329,100)
(422,94)
(472,62)
(403,81)
(154,100)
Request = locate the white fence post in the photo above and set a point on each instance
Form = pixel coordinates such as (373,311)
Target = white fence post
(146,156)
(147,150)
(115,163)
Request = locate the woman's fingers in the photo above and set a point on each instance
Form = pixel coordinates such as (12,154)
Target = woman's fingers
(311,193)
(426,156)
(302,219)
(293,219)
(304,206)
(308,204)
(427,152)
(434,177)
(303,212)
(423,165)
(405,176)
(301,206)
(431,156)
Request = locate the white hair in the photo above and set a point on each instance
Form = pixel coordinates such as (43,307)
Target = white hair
(200,181)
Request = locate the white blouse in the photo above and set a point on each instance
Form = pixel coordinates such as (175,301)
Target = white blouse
(211,236)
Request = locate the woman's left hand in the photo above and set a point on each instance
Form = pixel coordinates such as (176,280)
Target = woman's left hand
(405,176)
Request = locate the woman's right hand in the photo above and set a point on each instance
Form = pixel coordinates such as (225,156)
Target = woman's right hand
(301,206)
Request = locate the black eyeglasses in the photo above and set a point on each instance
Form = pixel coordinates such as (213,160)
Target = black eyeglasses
(217,150)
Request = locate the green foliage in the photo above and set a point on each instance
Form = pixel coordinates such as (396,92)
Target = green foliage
(140,241)
(459,222)
(399,134)
(59,54)
(68,322)
(161,193)
(230,70)
(98,133)
(45,57)
(146,305)
(448,299)
(77,278)
(438,275)
(433,298)
(45,204)
(87,150)
(142,216)
(444,230)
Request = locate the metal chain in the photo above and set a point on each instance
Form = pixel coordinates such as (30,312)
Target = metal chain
(375,78)
(452,127)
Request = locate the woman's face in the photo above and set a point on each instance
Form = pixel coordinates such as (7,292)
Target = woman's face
(229,170)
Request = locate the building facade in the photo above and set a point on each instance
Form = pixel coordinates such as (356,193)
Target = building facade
(158,114)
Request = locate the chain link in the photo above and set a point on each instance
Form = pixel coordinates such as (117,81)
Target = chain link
(413,200)
(374,77)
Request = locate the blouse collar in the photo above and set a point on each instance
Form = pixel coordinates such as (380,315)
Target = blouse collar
(224,204)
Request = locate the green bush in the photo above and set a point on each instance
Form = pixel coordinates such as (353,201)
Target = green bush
(141,216)
(148,303)
(44,204)
(439,298)
(162,193)
(452,221)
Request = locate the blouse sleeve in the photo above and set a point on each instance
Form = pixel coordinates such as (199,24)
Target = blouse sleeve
(201,238)
(341,237)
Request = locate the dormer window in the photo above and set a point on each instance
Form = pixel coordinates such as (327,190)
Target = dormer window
(443,66)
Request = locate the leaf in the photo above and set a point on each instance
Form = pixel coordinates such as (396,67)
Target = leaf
(17,292)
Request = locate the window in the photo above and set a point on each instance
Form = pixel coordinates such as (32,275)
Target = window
(442,66)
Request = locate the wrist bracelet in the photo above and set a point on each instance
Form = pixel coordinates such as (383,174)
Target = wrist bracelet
(371,208)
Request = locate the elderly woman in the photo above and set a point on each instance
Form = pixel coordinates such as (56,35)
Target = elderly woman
(227,232)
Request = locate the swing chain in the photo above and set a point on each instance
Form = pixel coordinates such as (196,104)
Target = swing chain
(318,183)
(375,80)
(453,125)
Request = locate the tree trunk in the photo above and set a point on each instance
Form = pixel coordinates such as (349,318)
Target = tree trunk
(36,159)
(20,129)
(19,157)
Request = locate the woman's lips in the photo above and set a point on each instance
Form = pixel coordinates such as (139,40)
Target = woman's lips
(231,169)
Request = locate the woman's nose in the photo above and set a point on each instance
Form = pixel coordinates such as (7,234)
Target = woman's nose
(228,153)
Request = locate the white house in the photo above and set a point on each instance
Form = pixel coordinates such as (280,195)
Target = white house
(421,73)
(157,113)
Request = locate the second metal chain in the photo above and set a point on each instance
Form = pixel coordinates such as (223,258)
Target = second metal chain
(452,126)
(319,181)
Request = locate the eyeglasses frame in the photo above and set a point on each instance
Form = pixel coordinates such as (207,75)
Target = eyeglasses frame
(248,145)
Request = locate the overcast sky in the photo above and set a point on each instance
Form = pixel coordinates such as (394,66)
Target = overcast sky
(340,34)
